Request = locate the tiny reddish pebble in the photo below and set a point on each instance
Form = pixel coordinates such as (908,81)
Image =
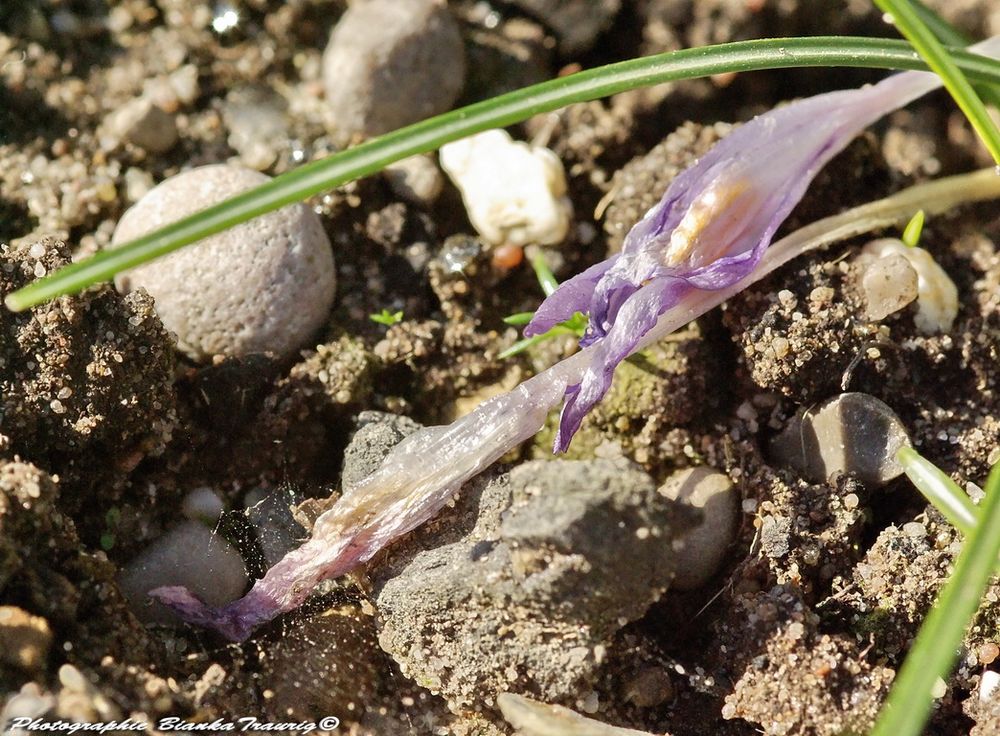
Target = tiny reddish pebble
(507,257)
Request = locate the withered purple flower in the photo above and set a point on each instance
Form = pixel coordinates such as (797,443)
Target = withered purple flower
(712,226)
(705,241)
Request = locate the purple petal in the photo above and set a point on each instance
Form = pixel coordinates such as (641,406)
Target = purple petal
(572,296)
(636,317)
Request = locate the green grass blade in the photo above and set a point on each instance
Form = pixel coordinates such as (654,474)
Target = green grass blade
(940,490)
(546,279)
(935,650)
(518,319)
(507,109)
(951,36)
(521,345)
(930,49)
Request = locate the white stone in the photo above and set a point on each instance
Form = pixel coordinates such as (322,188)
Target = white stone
(989,686)
(265,286)
(515,193)
(889,284)
(937,295)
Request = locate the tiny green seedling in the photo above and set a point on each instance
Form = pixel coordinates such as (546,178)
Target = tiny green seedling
(575,325)
(387,318)
(913,230)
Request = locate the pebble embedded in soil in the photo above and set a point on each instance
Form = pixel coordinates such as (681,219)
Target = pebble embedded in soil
(532,718)
(190,555)
(390,63)
(143,124)
(416,179)
(257,123)
(888,284)
(703,548)
(202,504)
(577,23)
(25,640)
(582,549)
(936,293)
(515,193)
(851,433)
(265,286)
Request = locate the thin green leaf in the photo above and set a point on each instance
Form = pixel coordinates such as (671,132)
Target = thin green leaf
(376,154)
(521,345)
(519,320)
(935,650)
(951,36)
(930,49)
(913,230)
(940,490)
(546,279)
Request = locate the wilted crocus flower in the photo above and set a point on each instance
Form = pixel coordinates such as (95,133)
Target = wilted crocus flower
(712,226)
(704,241)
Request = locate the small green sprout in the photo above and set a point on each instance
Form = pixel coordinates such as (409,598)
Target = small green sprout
(575,325)
(387,318)
(914,228)
(111,519)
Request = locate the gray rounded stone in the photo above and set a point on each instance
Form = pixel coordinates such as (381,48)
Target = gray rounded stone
(849,433)
(704,546)
(189,555)
(265,286)
(390,63)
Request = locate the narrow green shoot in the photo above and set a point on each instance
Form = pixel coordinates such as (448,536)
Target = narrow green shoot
(428,135)
(935,649)
(387,318)
(520,319)
(951,36)
(909,23)
(575,325)
(546,279)
(939,490)
(914,228)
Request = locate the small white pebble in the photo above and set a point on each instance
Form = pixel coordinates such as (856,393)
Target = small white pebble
(939,689)
(515,193)
(989,686)
(937,295)
(889,284)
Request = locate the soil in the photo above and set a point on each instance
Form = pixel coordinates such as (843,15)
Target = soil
(105,429)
